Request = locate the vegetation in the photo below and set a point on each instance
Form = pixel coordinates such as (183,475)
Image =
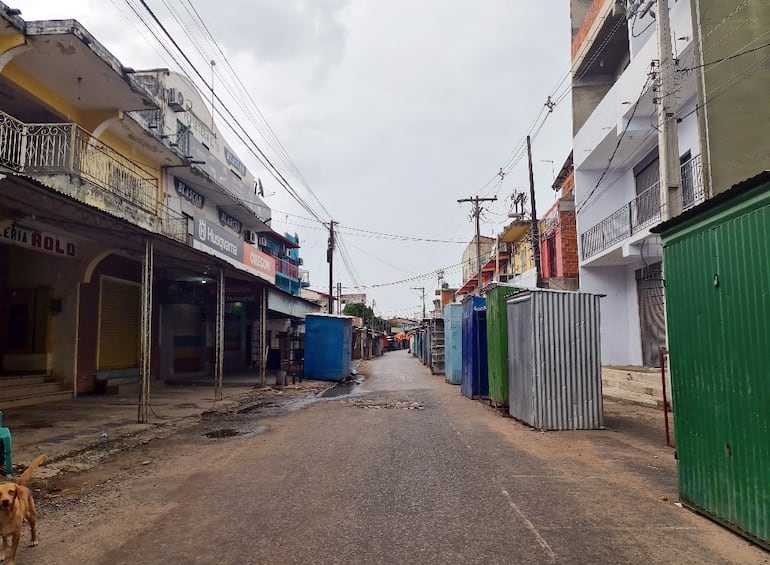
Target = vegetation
(366,314)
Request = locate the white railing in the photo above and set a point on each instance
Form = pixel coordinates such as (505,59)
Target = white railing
(643,211)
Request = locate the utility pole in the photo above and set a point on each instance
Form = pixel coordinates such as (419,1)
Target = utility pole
(535,225)
(330,260)
(668,136)
(421,289)
(477,212)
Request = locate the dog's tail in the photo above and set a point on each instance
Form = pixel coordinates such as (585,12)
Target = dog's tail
(22,480)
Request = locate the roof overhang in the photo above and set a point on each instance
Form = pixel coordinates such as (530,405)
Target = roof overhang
(515,231)
(66,59)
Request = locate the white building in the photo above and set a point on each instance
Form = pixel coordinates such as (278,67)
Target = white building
(614,60)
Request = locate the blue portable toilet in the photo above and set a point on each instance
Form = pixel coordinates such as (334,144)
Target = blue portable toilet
(475,383)
(453,343)
(328,347)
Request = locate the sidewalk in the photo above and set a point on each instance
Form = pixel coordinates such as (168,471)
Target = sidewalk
(75,434)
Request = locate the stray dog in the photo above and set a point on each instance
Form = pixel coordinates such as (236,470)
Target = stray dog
(16,503)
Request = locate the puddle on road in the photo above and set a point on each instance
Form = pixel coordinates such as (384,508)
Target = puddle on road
(219,434)
(340,389)
(257,407)
(226,433)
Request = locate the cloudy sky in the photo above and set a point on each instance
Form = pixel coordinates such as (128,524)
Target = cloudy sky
(389,111)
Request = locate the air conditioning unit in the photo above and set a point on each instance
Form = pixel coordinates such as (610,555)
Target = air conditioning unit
(263,241)
(175,100)
(250,237)
(300,261)
(287,252)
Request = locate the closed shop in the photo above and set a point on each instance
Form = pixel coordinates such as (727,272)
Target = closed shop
(119,308)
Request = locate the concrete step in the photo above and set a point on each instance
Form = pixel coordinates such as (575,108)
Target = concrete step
(28,390)
(648,377)
(35,400)
(651,389)
(617,393)
(10,381)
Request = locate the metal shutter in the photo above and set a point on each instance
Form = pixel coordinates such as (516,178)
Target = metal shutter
(119,325)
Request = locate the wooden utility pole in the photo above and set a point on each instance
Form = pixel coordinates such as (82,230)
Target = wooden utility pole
(535,225)
(421,289)
(330,260)
(477,212)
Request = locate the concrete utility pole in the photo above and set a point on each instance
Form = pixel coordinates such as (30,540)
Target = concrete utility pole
(668,136)
(330,260)
(421,289)
(535,224)
(477,212)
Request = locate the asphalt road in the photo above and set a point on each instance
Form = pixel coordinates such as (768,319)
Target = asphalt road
(402,470)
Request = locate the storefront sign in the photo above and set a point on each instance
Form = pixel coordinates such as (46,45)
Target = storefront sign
(241,293)
(214,237)
(184,191)
(228,221)
(261,262)
(38,240)
(234,162)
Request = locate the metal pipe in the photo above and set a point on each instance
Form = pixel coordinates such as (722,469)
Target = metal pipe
(663,355)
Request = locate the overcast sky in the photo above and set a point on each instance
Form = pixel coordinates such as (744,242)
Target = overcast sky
(391,110)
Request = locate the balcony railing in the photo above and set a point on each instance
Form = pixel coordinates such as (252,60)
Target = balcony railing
(174,225)
(286,268)
(67,149)
(642,212)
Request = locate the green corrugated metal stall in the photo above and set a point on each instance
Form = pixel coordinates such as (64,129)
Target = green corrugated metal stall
(717,270)
(497,342)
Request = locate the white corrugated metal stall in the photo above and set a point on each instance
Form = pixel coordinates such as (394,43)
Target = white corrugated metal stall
(554,359)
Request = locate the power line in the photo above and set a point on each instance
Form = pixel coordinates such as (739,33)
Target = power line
(254,147)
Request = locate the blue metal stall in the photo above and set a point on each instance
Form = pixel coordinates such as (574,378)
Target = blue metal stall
(475,383)
(328,347)
(453,342)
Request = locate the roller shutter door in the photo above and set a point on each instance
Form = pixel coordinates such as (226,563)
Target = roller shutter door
(119,325)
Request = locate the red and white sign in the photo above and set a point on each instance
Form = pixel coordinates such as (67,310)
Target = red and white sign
(262,263)
(46,242)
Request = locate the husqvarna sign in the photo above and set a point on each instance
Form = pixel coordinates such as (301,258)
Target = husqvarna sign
(211,236)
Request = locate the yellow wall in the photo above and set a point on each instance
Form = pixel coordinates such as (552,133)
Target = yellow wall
(523,247)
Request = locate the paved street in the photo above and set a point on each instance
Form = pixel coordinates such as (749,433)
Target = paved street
(402,470)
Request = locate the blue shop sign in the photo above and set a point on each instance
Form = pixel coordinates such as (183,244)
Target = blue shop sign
(234,162)
(228,221)
(184,191)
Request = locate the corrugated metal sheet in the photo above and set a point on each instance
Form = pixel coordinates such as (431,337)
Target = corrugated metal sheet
(474,383)
(119,325)
(717,270)
(328,347)
(497,342)
(555,360)
(453,342)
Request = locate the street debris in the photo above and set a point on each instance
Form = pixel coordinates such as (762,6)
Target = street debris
(380,404)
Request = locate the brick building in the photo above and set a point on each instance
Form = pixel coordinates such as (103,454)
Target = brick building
(558,235)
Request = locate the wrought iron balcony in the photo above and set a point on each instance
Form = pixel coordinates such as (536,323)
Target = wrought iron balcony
(642,212)
(65,148)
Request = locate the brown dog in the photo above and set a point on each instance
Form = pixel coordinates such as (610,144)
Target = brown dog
(16,503)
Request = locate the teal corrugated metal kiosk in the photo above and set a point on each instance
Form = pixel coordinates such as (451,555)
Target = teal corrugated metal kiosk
(716,262)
